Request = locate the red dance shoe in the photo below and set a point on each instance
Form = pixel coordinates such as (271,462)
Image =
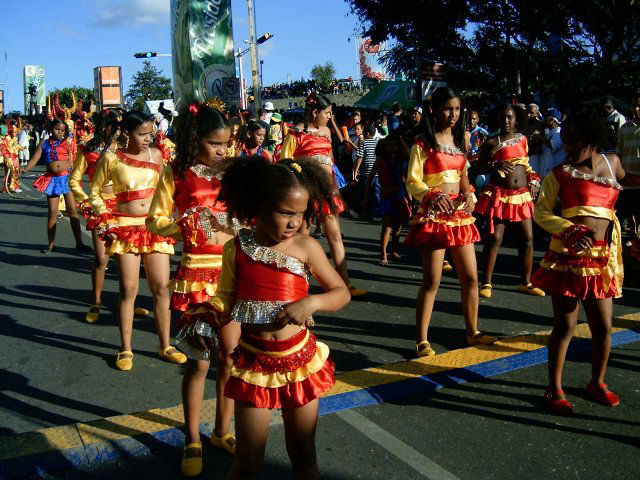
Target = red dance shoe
(600,393)
(555,404)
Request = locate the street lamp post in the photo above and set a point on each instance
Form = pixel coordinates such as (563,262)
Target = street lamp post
(254,59)
(261,64)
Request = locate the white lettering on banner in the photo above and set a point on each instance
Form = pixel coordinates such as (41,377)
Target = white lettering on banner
(204,43)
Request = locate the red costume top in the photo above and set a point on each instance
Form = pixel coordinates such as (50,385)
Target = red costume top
(516,152)
(312,143)
(257,282)
(194,194)
(591,273)
(316,145)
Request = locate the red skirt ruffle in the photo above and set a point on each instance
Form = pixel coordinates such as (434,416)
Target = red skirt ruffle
(340,204)
(93,221)
(433,235)
(194,278)
(554,281)
(293,394)
(138,236)
(490,205)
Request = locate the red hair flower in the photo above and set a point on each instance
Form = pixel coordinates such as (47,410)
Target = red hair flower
(194,109)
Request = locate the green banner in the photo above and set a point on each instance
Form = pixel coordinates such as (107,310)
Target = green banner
(203,59)
(34,86)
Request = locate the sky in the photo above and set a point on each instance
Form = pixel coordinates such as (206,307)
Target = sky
(71,37)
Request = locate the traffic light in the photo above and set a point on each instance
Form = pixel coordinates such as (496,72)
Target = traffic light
(145,54)
(264,38)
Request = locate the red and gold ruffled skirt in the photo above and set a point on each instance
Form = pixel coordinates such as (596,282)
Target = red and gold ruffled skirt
(507,204)
(89,215)
(585,275)
(196,278)
(440,230)
(280,374)
(134,237)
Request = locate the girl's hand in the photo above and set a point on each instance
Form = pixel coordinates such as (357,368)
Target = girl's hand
(444,204)
(469,204)
(297,312)
(502,166)
(534,188)
(200,342)
(112,236)
(585,242)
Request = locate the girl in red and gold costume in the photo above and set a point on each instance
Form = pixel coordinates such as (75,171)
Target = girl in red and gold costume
(191,185)
(584,261)
(134,172)
(9,149)
(265,287)
(59,152)
(437,177)
(312,139)
(508,199)
(105,139)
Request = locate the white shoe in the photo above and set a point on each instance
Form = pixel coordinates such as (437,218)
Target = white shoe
(17,190)
(377,219)
(353,213)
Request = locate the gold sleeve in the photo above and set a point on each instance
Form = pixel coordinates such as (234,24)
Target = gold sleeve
(100,179)
(415,174)
(75,180)
(289,145)
(543,213)
(160,218)
(225,297)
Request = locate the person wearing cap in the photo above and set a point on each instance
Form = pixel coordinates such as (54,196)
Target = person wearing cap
(274,137)
(552,153)
(268,106)
(416,115)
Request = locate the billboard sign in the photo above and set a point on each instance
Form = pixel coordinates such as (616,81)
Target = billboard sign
(108,87)
(370,59)
(434,75)
(35,92)
(203,57)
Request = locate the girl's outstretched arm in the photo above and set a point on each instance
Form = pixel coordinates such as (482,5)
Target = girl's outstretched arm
(335,296)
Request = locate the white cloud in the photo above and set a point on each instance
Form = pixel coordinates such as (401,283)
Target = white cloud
(130,13)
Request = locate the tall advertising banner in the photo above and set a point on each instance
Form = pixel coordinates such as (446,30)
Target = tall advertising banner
(203,58)
(1,102)
(370,59)
(35,92)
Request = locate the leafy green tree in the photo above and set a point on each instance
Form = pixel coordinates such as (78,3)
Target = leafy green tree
(148,84)
(66,99)
(323,75)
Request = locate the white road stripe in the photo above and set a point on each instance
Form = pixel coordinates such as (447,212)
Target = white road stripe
(395,446)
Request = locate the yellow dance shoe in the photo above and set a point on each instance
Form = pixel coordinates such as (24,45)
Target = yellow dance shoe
(356,292)
(224,442)
(93,313)
(423,349)
(485,290)
(531,290)
(479,338)
(175,357)
(140,311)
(446,266)
(191,465)
(123,362)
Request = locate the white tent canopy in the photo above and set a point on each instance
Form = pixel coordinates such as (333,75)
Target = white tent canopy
(151,106)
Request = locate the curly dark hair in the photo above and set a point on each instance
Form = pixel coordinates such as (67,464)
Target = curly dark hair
(110,117)
(52,124)
(590,129)
(252,184)
(190,128)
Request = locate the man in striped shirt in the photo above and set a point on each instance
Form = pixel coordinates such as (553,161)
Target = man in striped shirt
(628,150)
(365,158)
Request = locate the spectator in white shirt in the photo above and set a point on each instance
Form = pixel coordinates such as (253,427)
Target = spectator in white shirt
(552,153)
(611,114)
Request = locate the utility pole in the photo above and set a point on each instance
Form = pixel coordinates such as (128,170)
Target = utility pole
(257,103)
(243,97)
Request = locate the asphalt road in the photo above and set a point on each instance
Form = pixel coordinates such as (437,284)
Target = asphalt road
(55,369)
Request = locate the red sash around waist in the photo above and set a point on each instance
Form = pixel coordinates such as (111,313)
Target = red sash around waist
(131,195)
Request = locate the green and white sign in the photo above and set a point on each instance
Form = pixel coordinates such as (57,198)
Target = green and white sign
(35,91)
(203,57)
